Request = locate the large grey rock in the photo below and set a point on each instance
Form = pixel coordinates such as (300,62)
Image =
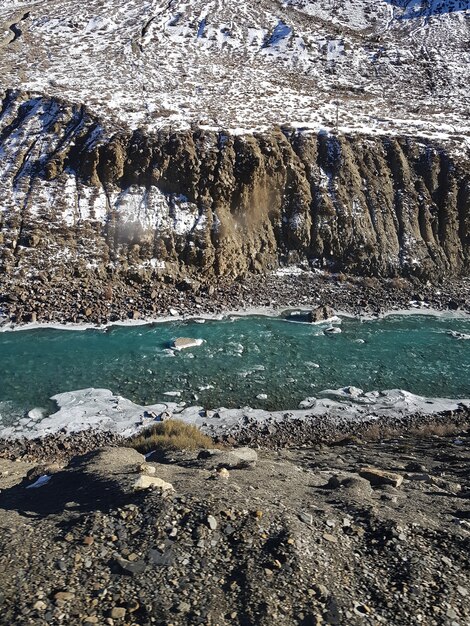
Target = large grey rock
(182,343)
(152,482)
(238,458)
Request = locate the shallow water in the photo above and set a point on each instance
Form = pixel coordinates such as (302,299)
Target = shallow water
(240,359)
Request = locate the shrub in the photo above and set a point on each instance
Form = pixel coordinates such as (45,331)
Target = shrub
(170,435)
(398,283)
(370,282)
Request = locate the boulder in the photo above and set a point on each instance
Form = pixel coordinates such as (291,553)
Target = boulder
(239,458)
(186,342)
(332,330)
(378,477)
(320,314)
(152,482)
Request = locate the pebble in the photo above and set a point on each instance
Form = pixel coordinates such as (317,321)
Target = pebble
(118,612)
(212,522)
(321,591)
(40,605)
(149,470)
(362,609)
(132,567)
(307,518)
(425,478)
(64,596)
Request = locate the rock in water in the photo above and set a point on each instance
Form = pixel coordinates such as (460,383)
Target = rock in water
(332,330)
(320,314)
(457,335)
(186,342)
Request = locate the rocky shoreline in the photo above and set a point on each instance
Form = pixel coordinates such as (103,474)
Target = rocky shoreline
(269,434)
(22,303)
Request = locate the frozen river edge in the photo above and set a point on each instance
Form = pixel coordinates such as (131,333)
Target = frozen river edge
(99,410)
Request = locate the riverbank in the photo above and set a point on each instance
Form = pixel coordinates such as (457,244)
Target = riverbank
(288,288)
(328,424)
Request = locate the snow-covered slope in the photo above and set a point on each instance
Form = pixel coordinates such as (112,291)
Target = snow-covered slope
(367,65)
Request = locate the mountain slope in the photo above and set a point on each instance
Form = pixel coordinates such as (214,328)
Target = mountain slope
(387,66)
(148,141)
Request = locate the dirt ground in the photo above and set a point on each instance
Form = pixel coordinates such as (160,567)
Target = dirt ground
(306,536)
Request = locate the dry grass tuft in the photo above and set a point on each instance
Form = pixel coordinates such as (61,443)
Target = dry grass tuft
(439,430)
(399,283)
(370,282)
(170,435)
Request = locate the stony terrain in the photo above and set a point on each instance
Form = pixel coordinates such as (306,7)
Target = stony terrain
(59,302)
(319,535)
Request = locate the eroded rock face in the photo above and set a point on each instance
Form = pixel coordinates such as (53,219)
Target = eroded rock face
(93,203)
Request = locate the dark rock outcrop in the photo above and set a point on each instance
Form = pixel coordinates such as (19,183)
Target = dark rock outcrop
(92,202)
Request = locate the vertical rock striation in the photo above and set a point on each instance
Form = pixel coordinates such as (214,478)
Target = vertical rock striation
(81,199)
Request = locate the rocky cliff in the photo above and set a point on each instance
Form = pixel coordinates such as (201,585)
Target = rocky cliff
(87,201)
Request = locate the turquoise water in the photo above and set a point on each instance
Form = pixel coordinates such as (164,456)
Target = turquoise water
(240,359)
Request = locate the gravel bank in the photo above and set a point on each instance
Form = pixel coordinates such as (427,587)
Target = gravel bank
(354,295)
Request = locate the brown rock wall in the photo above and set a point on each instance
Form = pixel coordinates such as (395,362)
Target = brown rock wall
(381,206)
